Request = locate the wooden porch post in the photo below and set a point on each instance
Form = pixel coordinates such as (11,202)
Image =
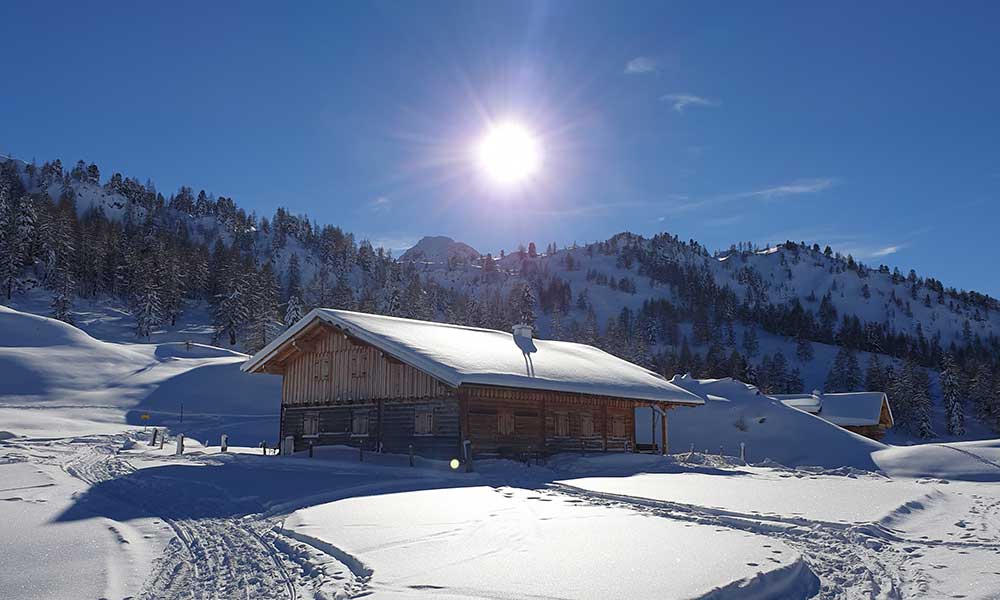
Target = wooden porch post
(663,433)
(604,425)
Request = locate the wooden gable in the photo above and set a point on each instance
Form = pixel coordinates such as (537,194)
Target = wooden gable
(325,365)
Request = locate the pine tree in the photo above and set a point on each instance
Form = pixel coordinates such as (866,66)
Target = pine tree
(921,403)
(293,311)
(173,287)
(899,390)
(981,392)
(794,384)
(525,305)
(263,317)
(779,373)
(233,307)
(60,277)
(750,344)
(804,349)
(874,375)
(556,327)
(17,223)
(951,394)
(148,309)
(343,295)
(294,287)
(852,376)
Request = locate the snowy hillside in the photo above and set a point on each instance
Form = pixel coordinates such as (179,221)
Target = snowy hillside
(59,379)
(121,259)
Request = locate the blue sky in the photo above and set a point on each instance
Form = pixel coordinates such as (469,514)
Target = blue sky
(875,131)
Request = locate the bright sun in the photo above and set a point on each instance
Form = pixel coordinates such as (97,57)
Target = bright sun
(509,153)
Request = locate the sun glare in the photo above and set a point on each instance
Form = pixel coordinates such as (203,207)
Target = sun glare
(509,153)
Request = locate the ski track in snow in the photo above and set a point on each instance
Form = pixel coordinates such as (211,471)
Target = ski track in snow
(251,556)
(208,558)
(852,561)
(973,456)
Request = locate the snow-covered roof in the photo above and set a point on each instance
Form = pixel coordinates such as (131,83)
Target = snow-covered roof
(845,409)
(724,389)
(460,355)
(810,403)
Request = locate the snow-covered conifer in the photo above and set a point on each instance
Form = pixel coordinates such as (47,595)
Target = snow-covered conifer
(951,394)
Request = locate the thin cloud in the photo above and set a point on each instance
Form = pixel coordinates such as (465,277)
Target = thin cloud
(380,204)
(588,210)
(682,101)
(888,250)
(681,204)
(800,186)
(724,221)
(641,64)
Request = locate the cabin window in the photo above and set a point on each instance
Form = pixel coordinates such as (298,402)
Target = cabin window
(586,424)
(310,424)
(423,422)
(562,424)
(505,423)
(618,428)
(359,423)
(326,369)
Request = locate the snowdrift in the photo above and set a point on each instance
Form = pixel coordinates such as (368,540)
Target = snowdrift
(83,384)
(735,412)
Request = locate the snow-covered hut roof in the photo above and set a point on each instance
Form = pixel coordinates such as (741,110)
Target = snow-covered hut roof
(810,403)
(844,409)
(460,355)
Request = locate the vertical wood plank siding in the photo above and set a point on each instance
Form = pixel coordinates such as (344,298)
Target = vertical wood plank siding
(337,370)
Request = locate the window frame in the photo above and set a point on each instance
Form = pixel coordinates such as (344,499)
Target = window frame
(505,418)
(427,413)
(355,414)
(312,417)
(615,420)
(561,424)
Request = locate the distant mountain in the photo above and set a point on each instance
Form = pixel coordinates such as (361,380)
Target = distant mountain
(786,318)
(440,250)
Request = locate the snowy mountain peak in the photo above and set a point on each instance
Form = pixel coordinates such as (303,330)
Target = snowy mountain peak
(439,249)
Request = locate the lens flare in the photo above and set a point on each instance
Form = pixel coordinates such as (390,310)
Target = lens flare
(509,153)
(455,464)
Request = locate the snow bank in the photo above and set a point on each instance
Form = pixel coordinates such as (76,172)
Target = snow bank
(965,461)
(735,412)
(73,384)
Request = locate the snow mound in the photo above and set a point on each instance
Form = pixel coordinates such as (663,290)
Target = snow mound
(20,330)
(56,379)
(439,250)
(963,461)
(735,412)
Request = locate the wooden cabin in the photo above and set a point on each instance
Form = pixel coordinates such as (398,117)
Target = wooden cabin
(386,383)
(865,413)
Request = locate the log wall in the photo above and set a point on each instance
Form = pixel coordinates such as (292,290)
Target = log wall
(507,421)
